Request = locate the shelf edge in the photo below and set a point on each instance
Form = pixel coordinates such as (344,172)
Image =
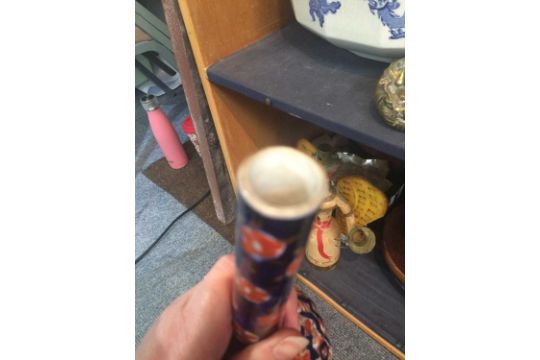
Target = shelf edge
(365,138)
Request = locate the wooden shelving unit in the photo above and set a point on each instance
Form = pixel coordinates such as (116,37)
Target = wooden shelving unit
(268,81)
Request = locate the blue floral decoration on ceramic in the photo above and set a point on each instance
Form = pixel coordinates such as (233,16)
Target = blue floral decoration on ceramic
(320,8)
(385,11)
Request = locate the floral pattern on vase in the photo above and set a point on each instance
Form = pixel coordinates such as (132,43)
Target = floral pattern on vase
(385,11)
(320,8)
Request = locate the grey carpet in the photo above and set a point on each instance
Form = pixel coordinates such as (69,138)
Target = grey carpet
(177,263)
(191,247)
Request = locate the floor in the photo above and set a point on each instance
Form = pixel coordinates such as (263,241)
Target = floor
(191,247)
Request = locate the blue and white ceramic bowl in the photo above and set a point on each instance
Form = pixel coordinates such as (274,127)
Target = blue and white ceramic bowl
(374,29)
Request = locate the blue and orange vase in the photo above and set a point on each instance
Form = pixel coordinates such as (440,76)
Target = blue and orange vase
(280,190)
(314,329)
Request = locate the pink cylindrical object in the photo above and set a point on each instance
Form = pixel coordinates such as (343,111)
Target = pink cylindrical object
(164,133)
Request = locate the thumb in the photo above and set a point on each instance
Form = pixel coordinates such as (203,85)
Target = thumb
(285,344)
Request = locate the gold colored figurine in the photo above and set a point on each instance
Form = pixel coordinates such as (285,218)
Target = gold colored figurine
(390,95)
(323,246)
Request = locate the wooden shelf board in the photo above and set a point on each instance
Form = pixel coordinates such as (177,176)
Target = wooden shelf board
(301,74)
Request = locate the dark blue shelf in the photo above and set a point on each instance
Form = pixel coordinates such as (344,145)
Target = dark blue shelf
(363,286)
(301,74)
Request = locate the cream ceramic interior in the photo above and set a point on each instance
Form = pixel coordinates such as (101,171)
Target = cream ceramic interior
(282,182)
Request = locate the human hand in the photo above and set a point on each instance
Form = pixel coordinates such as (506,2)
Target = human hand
(198,324)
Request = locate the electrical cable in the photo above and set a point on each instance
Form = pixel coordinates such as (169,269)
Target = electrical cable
(145,252)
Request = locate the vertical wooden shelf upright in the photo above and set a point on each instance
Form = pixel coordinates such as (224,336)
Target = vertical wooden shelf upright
(248,117)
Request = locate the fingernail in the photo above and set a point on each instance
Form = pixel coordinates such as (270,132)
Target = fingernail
(289,347)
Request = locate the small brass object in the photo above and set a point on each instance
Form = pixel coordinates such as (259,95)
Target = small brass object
(390,95)
(362,240)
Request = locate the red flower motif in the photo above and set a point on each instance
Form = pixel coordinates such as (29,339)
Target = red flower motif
(262,245)
(243,335)
(269,320)
(251,292)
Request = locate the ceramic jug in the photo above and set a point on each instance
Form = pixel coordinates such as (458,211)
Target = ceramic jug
(323,246)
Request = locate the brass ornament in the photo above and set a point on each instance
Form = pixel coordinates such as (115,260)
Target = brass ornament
(390,95)
(362,240)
